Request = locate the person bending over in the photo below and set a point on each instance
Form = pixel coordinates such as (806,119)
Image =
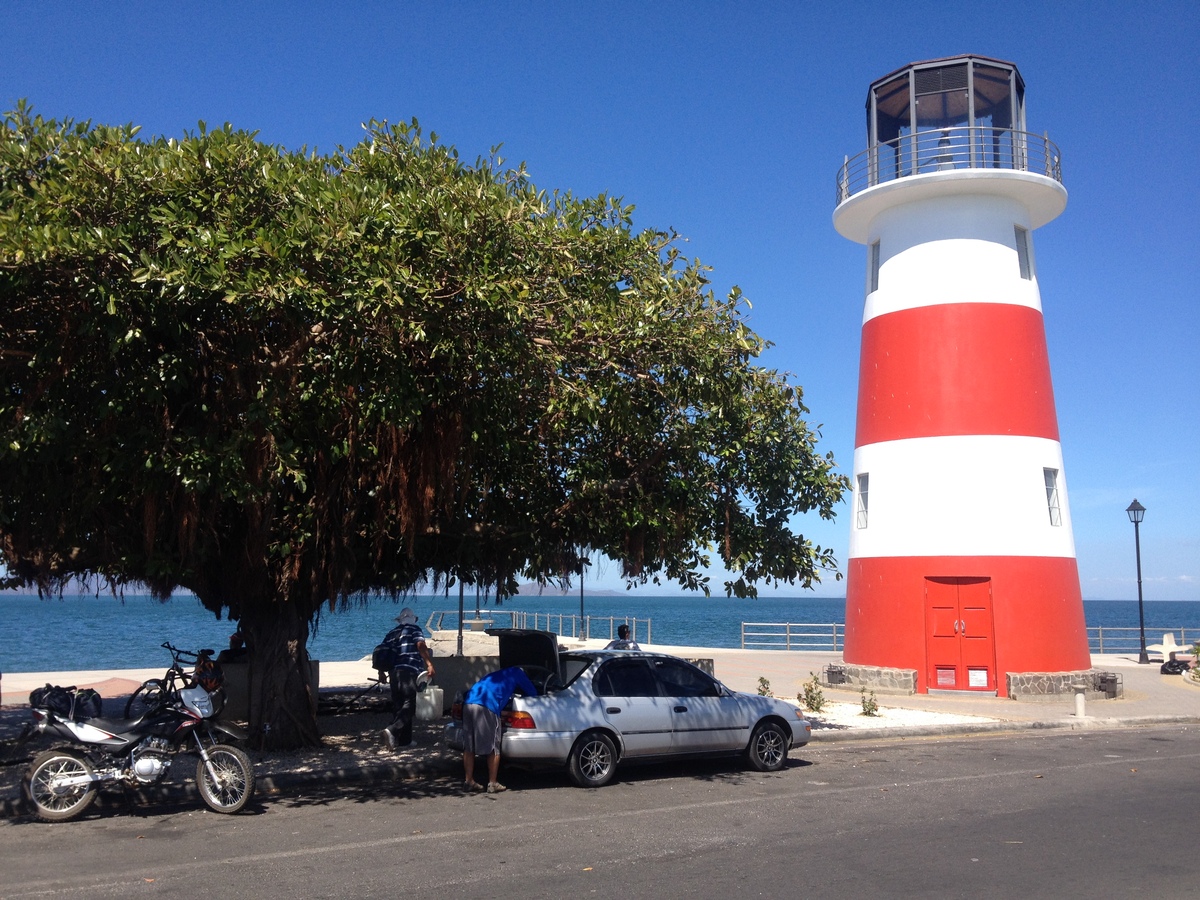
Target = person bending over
(482,707)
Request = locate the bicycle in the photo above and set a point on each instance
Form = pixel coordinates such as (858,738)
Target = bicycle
(154,692)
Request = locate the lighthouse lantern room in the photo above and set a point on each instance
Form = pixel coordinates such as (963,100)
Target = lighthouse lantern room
(961,571)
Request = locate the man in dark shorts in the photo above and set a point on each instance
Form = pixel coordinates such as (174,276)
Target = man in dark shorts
(482,706)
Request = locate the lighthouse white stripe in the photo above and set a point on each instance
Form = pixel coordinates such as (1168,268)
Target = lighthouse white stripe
(972,495)
(950,250)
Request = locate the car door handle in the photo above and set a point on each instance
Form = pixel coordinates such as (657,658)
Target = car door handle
(612,709)
(681,709)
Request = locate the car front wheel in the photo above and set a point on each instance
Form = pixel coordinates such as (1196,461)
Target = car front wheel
(768,747)
(593,760)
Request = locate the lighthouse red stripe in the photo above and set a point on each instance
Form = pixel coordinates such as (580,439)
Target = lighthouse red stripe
(1037,617)
(959,368)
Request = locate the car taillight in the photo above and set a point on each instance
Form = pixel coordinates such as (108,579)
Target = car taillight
(518,719)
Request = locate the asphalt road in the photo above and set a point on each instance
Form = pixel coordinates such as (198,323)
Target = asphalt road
(1028,814)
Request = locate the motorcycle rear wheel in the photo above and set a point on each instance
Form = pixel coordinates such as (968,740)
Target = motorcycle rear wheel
(234,783)
(38,785)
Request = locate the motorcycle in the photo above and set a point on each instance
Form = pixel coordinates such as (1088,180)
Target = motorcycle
(62,782)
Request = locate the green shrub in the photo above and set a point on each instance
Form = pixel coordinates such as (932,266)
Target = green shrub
(812,697)
(764,687)
(869,705)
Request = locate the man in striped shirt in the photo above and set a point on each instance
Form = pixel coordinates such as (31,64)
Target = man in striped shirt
(412,657)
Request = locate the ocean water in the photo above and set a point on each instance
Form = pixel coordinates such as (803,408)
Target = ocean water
(85,632)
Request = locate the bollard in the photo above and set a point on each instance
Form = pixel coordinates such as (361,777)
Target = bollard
(1080,700)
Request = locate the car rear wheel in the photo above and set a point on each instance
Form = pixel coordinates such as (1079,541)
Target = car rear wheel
(593,760)
(768,747)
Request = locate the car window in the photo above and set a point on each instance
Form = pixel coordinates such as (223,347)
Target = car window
(625,678)
(679,679)
(573,666)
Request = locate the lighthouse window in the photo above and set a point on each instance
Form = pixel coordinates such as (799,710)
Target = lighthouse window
(1023,253)
(1051,476)
(861,502)
(874,276)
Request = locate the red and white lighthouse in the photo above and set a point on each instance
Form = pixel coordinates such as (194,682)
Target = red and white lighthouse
(961,569)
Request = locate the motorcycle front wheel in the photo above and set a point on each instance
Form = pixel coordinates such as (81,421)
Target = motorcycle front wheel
(230,784)
(41,785)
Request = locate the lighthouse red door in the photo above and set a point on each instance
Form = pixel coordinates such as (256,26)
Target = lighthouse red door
(960,645)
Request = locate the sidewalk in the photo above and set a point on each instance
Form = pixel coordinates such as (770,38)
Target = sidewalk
(353,752)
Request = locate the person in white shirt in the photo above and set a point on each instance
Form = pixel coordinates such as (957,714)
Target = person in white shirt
(623,641)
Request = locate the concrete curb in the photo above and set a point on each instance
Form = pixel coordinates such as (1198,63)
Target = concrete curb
(112,798)
(381,773)
(1068,723)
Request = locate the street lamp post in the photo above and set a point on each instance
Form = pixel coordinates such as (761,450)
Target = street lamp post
(1136,513)
(460,612)
(582,562)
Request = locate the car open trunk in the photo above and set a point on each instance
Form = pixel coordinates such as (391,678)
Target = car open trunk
(527,648)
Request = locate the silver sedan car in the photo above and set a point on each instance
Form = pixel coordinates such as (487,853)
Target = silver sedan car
(598,708)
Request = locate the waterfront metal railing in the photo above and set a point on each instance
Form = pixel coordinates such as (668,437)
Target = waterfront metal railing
(830,637)
(943,149)
(792,636)
(819,636)
(563,624)
(1108,639)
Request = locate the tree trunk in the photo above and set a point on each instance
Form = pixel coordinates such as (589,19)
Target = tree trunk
(283,699)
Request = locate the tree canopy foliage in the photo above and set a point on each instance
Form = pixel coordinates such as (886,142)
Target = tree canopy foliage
(282,380)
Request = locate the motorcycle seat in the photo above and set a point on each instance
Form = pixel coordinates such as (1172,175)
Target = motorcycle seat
(115,726)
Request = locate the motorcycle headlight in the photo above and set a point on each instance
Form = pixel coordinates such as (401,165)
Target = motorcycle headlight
(198,701)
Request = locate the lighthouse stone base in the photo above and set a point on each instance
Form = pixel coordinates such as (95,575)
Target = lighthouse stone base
(1052,685)
(881,678)
(1020,685)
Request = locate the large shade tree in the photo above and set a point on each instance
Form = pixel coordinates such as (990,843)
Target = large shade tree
(286,381)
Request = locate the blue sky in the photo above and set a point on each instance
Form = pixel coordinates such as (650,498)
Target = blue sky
(727,122)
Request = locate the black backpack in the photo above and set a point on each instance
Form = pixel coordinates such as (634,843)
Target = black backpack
(68,703)
(384,657)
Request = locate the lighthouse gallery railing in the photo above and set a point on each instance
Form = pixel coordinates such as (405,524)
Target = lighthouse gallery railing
(943,149)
